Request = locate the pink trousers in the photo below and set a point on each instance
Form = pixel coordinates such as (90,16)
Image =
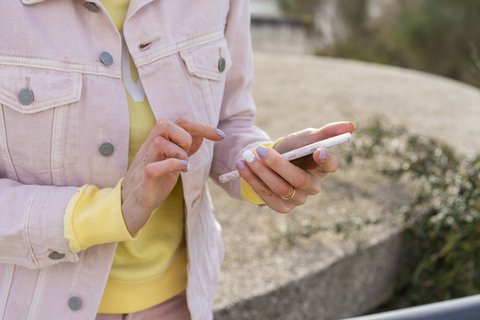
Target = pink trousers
(173,309)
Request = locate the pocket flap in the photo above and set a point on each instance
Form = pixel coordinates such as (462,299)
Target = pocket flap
(50,88)
(203,61)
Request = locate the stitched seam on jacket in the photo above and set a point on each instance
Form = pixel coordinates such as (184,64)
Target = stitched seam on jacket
(27,224)
(68,99)
(59,65)
(73,224)
(174,48)
(4,151)
(6,290)
(37,294)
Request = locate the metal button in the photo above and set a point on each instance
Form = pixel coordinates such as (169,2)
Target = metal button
(74,303)
(91,6)
(106,58)
(106,149)
(221,65)
(25,96)
(56,256)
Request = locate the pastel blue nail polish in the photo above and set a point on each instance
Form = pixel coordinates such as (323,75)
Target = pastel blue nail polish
(323,155)
(262,151)
(184,162)
(221,133)
(240,164)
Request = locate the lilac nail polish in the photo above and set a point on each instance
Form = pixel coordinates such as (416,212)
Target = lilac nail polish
(240,164)
(221,133)
(323,155)
(262,151)
(184,162)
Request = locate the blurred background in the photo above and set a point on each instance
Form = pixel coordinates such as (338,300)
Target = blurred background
(436,36)
(399,225)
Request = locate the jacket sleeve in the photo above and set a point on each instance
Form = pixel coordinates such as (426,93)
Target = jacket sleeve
(237,114)
(94,216)
(31,224)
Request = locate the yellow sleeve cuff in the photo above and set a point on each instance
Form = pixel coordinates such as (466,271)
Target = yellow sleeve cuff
(247,191)
(94,217)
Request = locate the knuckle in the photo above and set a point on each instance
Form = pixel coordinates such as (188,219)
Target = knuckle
(206,126)
(311,134)
(172,165)
(272,162)
(181,121)
(332,168)
(162,125)
(316,188)
(301,201)
(189,141)
(285,208)
(335,168)
(159,143)
(300,180)
(149,171)
(263,192)
(334,164)
(282,189)
(162,122)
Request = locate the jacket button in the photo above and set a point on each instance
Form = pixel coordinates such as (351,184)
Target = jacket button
(25,96)
(106,58)
(106,149)
(56,256)
(91,6)
(221,65)
(74,303)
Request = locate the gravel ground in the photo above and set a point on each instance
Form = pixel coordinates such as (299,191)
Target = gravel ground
(294,92)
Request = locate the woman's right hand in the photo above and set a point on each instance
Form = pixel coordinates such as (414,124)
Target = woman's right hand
(157,165)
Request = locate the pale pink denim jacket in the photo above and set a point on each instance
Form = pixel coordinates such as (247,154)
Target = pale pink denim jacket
(50,147)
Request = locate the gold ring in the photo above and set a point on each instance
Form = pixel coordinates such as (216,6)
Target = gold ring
(293,195)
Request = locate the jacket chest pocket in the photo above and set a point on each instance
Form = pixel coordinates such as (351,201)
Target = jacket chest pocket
(207,66)
(37,120)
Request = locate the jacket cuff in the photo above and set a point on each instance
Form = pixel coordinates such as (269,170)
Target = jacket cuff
(44,230)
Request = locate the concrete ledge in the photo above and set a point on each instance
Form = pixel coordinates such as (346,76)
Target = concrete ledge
(330,276)
(352,285)
(325,276)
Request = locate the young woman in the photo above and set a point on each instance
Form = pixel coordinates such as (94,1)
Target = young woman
(113,114)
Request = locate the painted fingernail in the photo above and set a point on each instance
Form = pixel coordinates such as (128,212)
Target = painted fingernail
(262,151)
(354,125)
(323,155)
(221,133)
(249,156)
(185,163)
(240,164)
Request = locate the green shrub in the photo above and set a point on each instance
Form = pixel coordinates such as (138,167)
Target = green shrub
(443,219)
(429,35)
(444,216)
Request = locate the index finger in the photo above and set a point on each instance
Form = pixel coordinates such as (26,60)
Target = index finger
(309,136)
(169,131)
(334,129)
(200,129)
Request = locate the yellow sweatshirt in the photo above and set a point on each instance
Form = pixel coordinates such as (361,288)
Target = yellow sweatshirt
(151,267)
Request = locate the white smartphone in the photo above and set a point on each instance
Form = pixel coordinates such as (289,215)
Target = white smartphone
(298,153)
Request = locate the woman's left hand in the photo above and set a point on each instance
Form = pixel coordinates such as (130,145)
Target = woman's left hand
(284,185)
